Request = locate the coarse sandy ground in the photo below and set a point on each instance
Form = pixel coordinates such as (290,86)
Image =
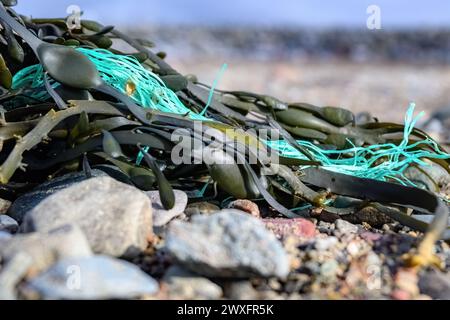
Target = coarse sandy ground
(384,89)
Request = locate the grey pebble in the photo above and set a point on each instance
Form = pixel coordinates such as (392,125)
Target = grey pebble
(116,218)
(227,244)
(93,278)
(8,224)
(161,216)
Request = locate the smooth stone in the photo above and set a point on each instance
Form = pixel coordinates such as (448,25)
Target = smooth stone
(8,224)
(161,216)
(406,284)
(28,201)
(436,285)
(228,244)
(12,273)
(329,269)
(116,218)
(4,206)
(46,248)
(5,235)
(246,206)
(283,228)
(205,208)
(93,278)
(186,285)
(326,227)
(345,227)
(326,243)
(371,236)
(241,290)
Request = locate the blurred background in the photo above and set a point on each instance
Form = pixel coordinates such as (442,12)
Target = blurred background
(320,52)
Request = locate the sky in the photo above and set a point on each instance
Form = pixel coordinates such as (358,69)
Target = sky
(313,13)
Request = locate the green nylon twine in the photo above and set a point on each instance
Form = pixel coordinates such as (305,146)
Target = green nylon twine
(116,70)
(380,162)
(213,88)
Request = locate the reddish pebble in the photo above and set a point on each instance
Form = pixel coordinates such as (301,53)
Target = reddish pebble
(406,282)
(400,295)
(246,206)
(370,236)
(283,228)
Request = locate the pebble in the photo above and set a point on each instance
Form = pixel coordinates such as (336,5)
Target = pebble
(186,285)
(4,206)
(406,280)
(241,290)
(401,295)
(228,244)
(326,243)
(8,224)
(353,249)
(93,278)
(325,227)
(284,228)
(12,273)
(329,270)
(313,267)
(373,260)
(205,208)
(371,236)
(246,206)
(5,235)
(161,216)
(28,201)
(346,227)
(356,275)
(46,248)
(436,285)
(116,218)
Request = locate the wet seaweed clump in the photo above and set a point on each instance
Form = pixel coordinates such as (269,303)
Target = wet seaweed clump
(71,102)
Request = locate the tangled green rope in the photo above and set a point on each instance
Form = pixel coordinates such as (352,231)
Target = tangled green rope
(118,71)
(380,162)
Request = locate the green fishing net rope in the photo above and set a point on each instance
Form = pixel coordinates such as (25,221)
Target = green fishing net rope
(380,161)
(116,70)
